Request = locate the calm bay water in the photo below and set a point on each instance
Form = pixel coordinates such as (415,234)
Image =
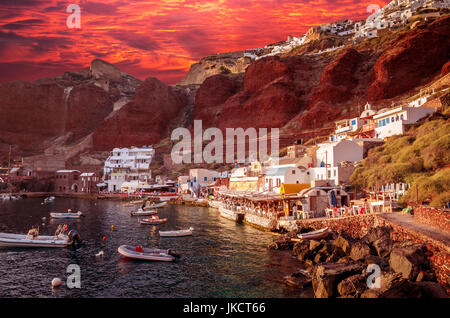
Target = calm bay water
(221,259)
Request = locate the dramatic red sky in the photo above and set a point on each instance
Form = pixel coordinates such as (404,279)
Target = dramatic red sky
(151,38)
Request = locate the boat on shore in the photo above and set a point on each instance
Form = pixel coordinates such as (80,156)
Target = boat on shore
(141,212)
(176,233)
(33,239)
(149,254)
(315,235)
(154,220)
(66,215)
(235,216)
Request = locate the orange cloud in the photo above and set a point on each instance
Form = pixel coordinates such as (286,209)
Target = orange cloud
(150,38)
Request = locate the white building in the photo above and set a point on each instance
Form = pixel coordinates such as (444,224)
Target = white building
(344,127)
(394,121)
(275,176)
(419,101)
(128,164)
(332,154)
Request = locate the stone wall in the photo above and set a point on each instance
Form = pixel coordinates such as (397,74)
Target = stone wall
(259,221)
(434,217)
(356,226)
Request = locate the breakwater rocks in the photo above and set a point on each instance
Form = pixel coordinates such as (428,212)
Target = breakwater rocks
(373,266)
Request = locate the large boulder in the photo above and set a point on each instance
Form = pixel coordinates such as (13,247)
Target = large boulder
(343,243)
(299,279)
(359,251)
(327,276)
(352,285)
(383,246)
(408,260)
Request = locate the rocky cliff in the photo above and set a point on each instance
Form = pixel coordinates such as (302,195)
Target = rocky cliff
(32,114)
(302,93)
(143,121)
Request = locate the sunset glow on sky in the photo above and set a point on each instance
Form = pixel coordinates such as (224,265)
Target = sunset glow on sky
(151,38)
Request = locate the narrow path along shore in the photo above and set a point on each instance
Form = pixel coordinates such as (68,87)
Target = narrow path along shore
(407,221)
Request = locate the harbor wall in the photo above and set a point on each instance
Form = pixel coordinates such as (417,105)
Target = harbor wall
(434,217)
(260,222)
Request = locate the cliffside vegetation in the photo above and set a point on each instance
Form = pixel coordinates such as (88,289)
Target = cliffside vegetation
(420,158)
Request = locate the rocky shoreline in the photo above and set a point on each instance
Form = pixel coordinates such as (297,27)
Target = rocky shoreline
(340,266)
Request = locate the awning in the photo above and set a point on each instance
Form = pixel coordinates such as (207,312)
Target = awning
(293,188)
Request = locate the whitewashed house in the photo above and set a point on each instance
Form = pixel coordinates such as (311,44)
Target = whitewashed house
(419,101)
(394,121)
(127,164)
(275,176)
(344,127)
(334,153)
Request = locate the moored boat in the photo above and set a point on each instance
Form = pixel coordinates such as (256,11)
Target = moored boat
(236,216)
(314,235)
(153,220)
(155,205)
(33,239)
(66,215)
(150,254)
(49,199)
(140,212)
(176,233)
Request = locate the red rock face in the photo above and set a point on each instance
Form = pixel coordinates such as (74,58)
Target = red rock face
(270,98)
(445,69)
(338,79)
(410,60)
(31,113)
(214,91)
(143,121)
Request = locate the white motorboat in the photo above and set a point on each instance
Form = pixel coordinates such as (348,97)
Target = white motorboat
(49,199)
(155,205)
(149,254)
(33,239)
(66,215)
(141,212)
(315,235)
(176,233)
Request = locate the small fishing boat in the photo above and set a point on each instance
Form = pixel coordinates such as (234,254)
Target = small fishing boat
(155,205)
(314,235)
(150,254)
(49,199)
(66,215)
(176,233)
(33,239)
(154,220)
(141,212)
(136,201)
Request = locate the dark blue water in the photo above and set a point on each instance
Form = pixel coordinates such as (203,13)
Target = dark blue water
(221,259)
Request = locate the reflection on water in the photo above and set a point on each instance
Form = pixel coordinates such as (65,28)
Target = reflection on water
(221,259)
